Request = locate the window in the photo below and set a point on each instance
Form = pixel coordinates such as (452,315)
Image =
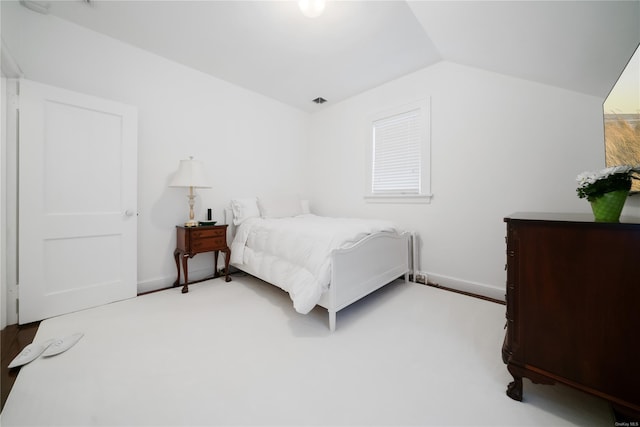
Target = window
(398,155)
(622,119)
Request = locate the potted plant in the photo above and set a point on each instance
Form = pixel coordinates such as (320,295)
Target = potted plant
(607,190)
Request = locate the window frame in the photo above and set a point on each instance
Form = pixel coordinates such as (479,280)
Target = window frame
(424,195)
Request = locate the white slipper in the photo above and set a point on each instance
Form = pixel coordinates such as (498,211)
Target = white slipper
(62,345)
(30,353)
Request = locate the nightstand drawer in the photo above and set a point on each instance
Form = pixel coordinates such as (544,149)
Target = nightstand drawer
(208,233)
(209,244)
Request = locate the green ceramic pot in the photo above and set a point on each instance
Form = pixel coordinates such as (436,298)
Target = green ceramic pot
(607,208)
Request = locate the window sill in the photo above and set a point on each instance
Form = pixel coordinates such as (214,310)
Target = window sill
(399,199)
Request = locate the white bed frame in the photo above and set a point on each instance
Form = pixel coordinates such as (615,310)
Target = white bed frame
(365,267)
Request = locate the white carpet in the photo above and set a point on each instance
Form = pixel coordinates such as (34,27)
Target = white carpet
(238,354)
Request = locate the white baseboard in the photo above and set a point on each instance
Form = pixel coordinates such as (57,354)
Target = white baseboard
(164,282)
(155,284)
(476,288)
(489,291)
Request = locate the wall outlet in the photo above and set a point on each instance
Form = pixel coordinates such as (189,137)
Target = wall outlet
(421,277)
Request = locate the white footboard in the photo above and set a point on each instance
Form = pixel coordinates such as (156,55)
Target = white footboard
(363,268)
(356,271)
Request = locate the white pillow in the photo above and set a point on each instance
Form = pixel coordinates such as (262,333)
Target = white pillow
(280,207)
(243,209)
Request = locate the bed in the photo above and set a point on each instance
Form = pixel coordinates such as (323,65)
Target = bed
(330,262)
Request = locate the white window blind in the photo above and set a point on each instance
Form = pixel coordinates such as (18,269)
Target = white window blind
(397,154)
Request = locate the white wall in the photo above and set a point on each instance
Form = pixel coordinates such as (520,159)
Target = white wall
(251,144)
(499,145)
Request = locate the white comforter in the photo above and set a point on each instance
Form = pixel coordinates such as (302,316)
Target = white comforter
(294,253)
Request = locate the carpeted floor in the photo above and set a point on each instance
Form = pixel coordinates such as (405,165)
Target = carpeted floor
(238,354)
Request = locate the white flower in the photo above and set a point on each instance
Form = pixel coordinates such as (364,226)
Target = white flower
(614,170)
(594,184)
(587,178)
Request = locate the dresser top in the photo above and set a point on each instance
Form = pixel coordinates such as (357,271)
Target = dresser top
(566,217)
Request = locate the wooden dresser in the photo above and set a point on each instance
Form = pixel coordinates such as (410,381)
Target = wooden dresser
(573,305)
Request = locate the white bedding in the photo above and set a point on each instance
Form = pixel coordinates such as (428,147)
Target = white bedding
(294,253)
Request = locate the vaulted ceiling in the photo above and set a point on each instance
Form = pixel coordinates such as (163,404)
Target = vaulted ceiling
(269,47)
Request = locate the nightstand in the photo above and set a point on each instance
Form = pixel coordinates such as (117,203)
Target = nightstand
(191,241)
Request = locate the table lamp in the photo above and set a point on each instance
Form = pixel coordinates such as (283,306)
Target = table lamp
(190,174)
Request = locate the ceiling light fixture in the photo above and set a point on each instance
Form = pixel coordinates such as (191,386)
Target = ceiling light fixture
(312,8)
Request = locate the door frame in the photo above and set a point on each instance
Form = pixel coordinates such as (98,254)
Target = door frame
(9,223)
(11,73)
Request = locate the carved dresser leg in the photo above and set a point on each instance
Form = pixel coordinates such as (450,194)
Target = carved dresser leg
(514,389)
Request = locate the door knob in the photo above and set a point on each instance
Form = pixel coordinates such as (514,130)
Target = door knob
(129,212)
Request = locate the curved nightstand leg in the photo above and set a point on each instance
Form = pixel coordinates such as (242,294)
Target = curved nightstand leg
(227,257)
(176,255)
(185,288)
(216,273)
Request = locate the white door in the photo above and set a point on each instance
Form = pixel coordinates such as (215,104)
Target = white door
(77,191)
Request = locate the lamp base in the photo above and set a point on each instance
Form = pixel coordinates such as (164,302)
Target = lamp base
(191,223)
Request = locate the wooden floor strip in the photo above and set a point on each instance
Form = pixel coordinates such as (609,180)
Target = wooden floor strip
(14,339)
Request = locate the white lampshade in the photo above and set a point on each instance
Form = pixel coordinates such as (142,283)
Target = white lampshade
(190,174)
(311,8)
